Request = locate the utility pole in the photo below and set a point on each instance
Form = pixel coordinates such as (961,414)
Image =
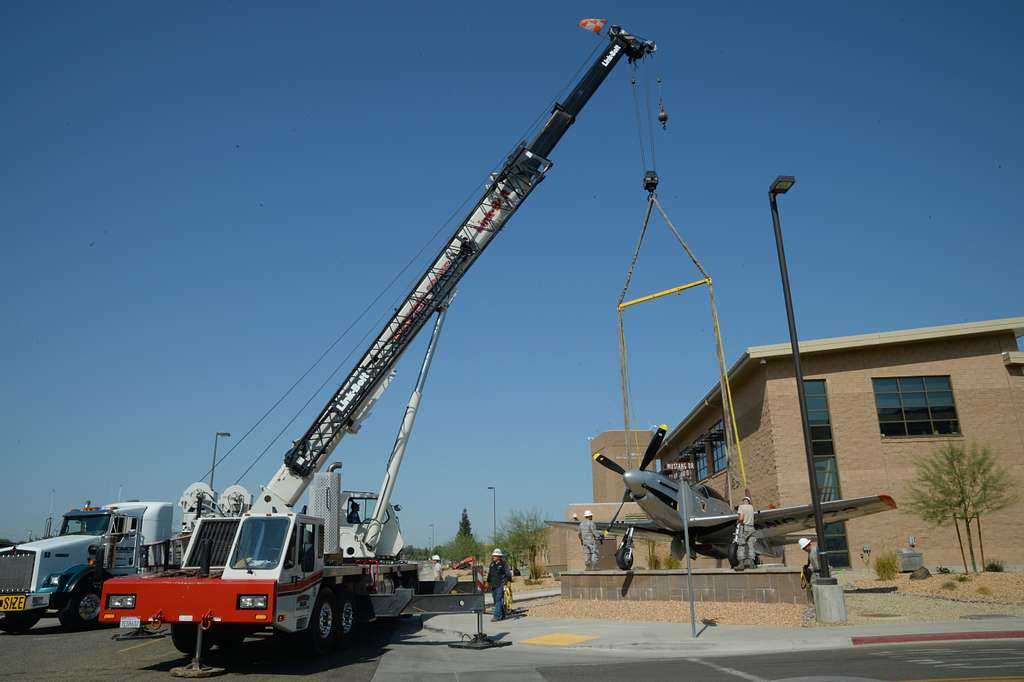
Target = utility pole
(494,514)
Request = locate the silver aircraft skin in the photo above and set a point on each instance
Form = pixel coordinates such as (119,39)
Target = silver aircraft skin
(712,521)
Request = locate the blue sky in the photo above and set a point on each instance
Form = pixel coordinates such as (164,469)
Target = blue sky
(199,197)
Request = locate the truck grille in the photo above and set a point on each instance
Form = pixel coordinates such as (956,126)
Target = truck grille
(221,533)
(16,571)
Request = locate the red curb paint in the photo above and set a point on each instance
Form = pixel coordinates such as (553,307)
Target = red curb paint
(938,637)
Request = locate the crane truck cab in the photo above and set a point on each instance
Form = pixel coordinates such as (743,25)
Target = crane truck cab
(65,573)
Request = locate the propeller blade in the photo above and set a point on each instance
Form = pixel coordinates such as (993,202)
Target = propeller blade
(652,447)
(609,464)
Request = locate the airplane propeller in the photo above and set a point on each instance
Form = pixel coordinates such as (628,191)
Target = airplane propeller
(649,454)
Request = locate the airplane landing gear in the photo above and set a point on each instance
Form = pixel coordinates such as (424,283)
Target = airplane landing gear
(624,555)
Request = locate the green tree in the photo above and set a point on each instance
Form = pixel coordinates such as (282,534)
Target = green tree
(465,528)
(523,536)
(954,484)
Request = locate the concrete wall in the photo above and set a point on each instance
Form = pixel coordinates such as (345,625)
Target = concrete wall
(763,586)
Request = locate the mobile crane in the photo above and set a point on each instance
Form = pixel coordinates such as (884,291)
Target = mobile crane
(313,574)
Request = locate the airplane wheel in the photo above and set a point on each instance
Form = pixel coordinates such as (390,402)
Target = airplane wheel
(624,558)
(734,560)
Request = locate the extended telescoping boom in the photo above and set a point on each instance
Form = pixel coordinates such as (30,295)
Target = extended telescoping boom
(522,172)
(319,574)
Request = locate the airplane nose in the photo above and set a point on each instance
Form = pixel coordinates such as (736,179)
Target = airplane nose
(634,481)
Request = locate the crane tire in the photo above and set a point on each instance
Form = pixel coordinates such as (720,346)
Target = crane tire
(321,631)
(183,637)
(348,620)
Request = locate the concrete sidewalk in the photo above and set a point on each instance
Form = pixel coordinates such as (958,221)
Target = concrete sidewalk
(674,639)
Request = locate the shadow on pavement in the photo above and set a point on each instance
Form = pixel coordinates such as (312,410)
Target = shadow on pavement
(268,654)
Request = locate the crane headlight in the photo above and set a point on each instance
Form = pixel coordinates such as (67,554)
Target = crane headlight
(252,601)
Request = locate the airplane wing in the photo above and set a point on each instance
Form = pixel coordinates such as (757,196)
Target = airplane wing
(645,530)
(776,522)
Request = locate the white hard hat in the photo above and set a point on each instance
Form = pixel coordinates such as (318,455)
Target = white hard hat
(746,498)
(803,542)
(588,513)
(435,558)
(497,552)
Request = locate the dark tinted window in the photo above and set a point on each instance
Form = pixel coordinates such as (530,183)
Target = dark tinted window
(915,406)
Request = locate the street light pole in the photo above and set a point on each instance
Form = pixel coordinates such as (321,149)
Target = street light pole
(781,185)
(431,538)
(213,466)
(494,514)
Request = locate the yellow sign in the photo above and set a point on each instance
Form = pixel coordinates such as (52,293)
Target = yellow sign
(12,602)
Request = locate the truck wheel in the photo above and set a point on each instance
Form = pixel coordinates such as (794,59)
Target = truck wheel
(183,636)
(20,622)
(347,620)
(228,637)
(82,609)
(322,629)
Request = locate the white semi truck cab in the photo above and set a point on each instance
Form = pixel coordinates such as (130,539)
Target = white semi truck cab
(66,572)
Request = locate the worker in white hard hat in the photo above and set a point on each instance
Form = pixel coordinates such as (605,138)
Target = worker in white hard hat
(587,533)
(435,567)
(813,566)
(745,535)
(498,573)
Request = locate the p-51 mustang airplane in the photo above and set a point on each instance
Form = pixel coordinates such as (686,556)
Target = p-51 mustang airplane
(712,521)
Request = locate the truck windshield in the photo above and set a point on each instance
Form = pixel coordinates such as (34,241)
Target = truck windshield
(95,524)
(260,543)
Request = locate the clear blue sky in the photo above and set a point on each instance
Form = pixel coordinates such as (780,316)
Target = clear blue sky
(197,198)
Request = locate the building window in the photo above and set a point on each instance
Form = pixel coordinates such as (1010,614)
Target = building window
(826,469)
(702,464)
(915,406)
(719,457)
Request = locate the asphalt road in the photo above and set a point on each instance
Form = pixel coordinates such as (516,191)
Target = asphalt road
(48,653)
(984,661)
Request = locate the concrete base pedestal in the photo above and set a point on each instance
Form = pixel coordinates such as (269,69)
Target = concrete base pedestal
(829,602)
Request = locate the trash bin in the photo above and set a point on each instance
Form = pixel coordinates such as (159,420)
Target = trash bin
(909,560)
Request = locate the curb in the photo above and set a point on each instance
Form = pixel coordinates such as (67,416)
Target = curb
(938,637)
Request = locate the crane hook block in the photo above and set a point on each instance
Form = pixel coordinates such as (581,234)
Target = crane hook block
(650,181)
(663,119)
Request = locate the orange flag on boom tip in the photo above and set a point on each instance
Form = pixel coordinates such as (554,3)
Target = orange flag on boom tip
(595,25)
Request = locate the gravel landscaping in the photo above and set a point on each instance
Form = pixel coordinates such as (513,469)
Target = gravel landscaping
(992,588)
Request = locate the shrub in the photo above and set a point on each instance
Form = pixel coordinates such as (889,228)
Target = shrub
(963,579)
(994,566)
(949,585)
(943,570)
(670,562)
(984,591)
(887,565)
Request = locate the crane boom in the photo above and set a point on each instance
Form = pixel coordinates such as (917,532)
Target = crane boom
(508,188)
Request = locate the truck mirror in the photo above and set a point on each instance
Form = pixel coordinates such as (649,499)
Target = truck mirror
(117,527)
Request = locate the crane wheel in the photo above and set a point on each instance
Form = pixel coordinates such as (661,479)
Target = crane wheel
(348,620)
(183,636)
(321,632)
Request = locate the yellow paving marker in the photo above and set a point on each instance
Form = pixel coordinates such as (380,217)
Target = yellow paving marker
(139,646)
(557,639)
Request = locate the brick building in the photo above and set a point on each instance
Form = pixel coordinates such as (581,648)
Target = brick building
(875,403)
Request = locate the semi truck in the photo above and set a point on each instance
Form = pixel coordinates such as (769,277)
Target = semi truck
(65,573)
(316,575)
